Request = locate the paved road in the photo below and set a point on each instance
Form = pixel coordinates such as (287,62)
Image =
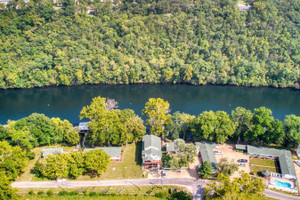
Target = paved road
(195,186)
(281,196)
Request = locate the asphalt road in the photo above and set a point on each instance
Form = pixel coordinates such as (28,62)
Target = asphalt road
(195,186)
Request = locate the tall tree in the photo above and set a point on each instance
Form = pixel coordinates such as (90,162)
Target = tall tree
(243,118)
(157,115)
(292,129)
(243,188)
(214,126)
(96,162)
(205,170)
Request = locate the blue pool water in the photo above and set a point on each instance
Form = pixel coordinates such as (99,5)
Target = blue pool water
(283,184)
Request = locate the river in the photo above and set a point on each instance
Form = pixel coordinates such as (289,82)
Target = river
(66,102)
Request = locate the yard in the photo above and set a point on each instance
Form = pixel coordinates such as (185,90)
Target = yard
(129,168)
(82,197)
(257,165)
(27,175)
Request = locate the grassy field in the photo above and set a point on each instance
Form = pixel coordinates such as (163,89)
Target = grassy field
(82,197)
(120,192)
(139,190)
(258,165)
(129,168)
(27,175)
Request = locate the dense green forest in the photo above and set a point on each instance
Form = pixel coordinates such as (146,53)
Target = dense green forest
(150,41)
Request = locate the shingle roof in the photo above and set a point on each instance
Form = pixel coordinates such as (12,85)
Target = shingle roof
(52,151)
(207,153)
(286,163)
(113,152)
(151,148)
(284,157)
(83,126)
(170,147)
(241,147)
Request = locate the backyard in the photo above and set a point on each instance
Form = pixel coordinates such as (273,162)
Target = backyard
(129,168)
(28,175)
(257,165)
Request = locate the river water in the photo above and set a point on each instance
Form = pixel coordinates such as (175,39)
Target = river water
(66,102)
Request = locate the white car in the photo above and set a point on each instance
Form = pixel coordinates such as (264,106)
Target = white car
(297,162)
(218,152)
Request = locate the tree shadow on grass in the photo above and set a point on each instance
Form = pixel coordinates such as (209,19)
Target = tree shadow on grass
(138,153)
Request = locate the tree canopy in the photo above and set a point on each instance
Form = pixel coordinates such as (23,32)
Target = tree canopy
(243,188)
(180,41)
(109,126)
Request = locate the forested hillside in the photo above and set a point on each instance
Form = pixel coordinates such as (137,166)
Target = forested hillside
(150,41)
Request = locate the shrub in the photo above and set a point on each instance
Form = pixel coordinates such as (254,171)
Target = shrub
(73,193)
(93,194)
(50,193)
(31,192)
(31,155)
(40,193)
(63,193)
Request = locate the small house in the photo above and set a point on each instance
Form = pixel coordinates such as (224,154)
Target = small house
(113,152)
(83,128)
(52,151)
(151,151)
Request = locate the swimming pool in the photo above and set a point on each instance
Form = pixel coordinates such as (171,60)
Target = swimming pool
(283,184)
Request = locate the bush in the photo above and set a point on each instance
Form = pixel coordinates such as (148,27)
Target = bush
(63,193)
(31,155)
(50,193)
(31,192)
(93,194)
(40,193)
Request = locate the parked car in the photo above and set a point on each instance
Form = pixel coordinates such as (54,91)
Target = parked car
(163,173)
(242,161)
(243,165)
(297,162)
(218,152)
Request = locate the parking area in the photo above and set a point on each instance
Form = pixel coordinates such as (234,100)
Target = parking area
(191,172)
(297,169)
(230,153)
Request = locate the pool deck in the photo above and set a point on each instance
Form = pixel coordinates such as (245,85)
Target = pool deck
(282,180)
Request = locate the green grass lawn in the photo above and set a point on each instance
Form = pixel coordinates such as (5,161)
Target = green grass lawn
(258,165)
(82,197)
(121,192)
(139,190)
(129,168)
(27,175)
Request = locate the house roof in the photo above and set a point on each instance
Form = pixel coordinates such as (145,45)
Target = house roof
(170,147)
(83,126)
(286,163)
(241,147)
(284,157)
(263,151)
(151,148)
(52,151)
(113,152)
(151,141)
(207,153)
